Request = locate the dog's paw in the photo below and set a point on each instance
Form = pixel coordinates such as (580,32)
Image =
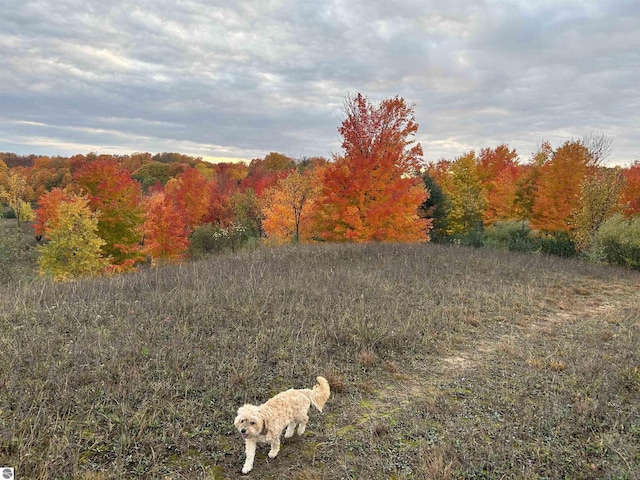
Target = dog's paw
(247,468)
(273,454)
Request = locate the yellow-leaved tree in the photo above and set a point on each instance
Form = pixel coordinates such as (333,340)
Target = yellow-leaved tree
(74,248)
(15,195)
(4,173)
(287,207)
(467,196)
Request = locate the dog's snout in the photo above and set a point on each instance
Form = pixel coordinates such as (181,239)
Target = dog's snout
(244,430)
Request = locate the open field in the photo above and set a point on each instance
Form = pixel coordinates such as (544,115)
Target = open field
(445,362)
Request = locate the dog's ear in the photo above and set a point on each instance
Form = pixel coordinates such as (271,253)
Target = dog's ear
(238,419)
(264,429)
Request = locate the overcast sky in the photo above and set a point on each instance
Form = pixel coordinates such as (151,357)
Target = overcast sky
(239,78)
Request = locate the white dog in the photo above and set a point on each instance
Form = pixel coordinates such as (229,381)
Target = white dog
(265,423)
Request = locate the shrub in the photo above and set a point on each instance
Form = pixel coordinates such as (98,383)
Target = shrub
(617,241)
(474,238)
(206,239)
(556,243)
(510,235)
(9,213)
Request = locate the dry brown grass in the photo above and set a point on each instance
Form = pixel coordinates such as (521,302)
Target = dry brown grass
(445,363)
(17,252)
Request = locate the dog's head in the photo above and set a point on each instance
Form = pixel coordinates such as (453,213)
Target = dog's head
(249,421)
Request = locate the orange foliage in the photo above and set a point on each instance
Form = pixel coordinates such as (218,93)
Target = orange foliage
(117,197)
(165,231)
(288,207)
(373,192)
(630,196)
(189,192)
(47,212)
(558,189)
(499,171)
(220,211)
(439,171)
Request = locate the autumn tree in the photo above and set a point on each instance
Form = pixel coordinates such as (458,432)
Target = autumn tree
(206,170)
(189,192)
(599,200)
(277,162)
(229,175)
(48,210)
(287,207)
(630,194)
(74,247)
(527,182)
(135,161)
(372,192)
(558,188)
(165,230)
(220,211)
(225,184)
(466,196)
(16,195)
(498,171)
(525,192)
(118,198)
(265,173)
(41,174)
(152,173)
(246,211)
(599,192)
(4,174)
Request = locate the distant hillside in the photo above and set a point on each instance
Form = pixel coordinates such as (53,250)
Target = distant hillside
(13,160)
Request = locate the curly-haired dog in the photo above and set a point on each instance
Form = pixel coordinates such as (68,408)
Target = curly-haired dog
(265,423)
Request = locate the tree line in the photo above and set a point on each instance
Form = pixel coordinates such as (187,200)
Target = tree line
(111,213)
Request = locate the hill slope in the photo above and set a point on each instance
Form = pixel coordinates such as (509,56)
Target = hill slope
(445,363)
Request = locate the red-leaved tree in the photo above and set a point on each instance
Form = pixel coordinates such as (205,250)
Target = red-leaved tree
(372,192)
(47,212)
(165,230)
(190,193)
(118,199)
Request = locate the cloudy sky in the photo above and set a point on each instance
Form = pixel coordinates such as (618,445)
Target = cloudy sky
(242,78)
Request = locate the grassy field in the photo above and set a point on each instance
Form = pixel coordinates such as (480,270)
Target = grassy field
(445,363)
(17,251)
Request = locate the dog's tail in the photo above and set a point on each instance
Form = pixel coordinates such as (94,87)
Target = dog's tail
(319,394)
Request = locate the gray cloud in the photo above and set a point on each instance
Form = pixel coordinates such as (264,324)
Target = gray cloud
(242,78)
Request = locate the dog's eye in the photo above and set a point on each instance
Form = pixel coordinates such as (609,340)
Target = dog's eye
(253,423)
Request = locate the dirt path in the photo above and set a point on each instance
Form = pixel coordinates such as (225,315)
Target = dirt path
(606,306)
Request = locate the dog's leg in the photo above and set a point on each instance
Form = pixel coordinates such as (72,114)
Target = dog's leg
(302,425)
(290,429)
(275,447)
(250,450)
